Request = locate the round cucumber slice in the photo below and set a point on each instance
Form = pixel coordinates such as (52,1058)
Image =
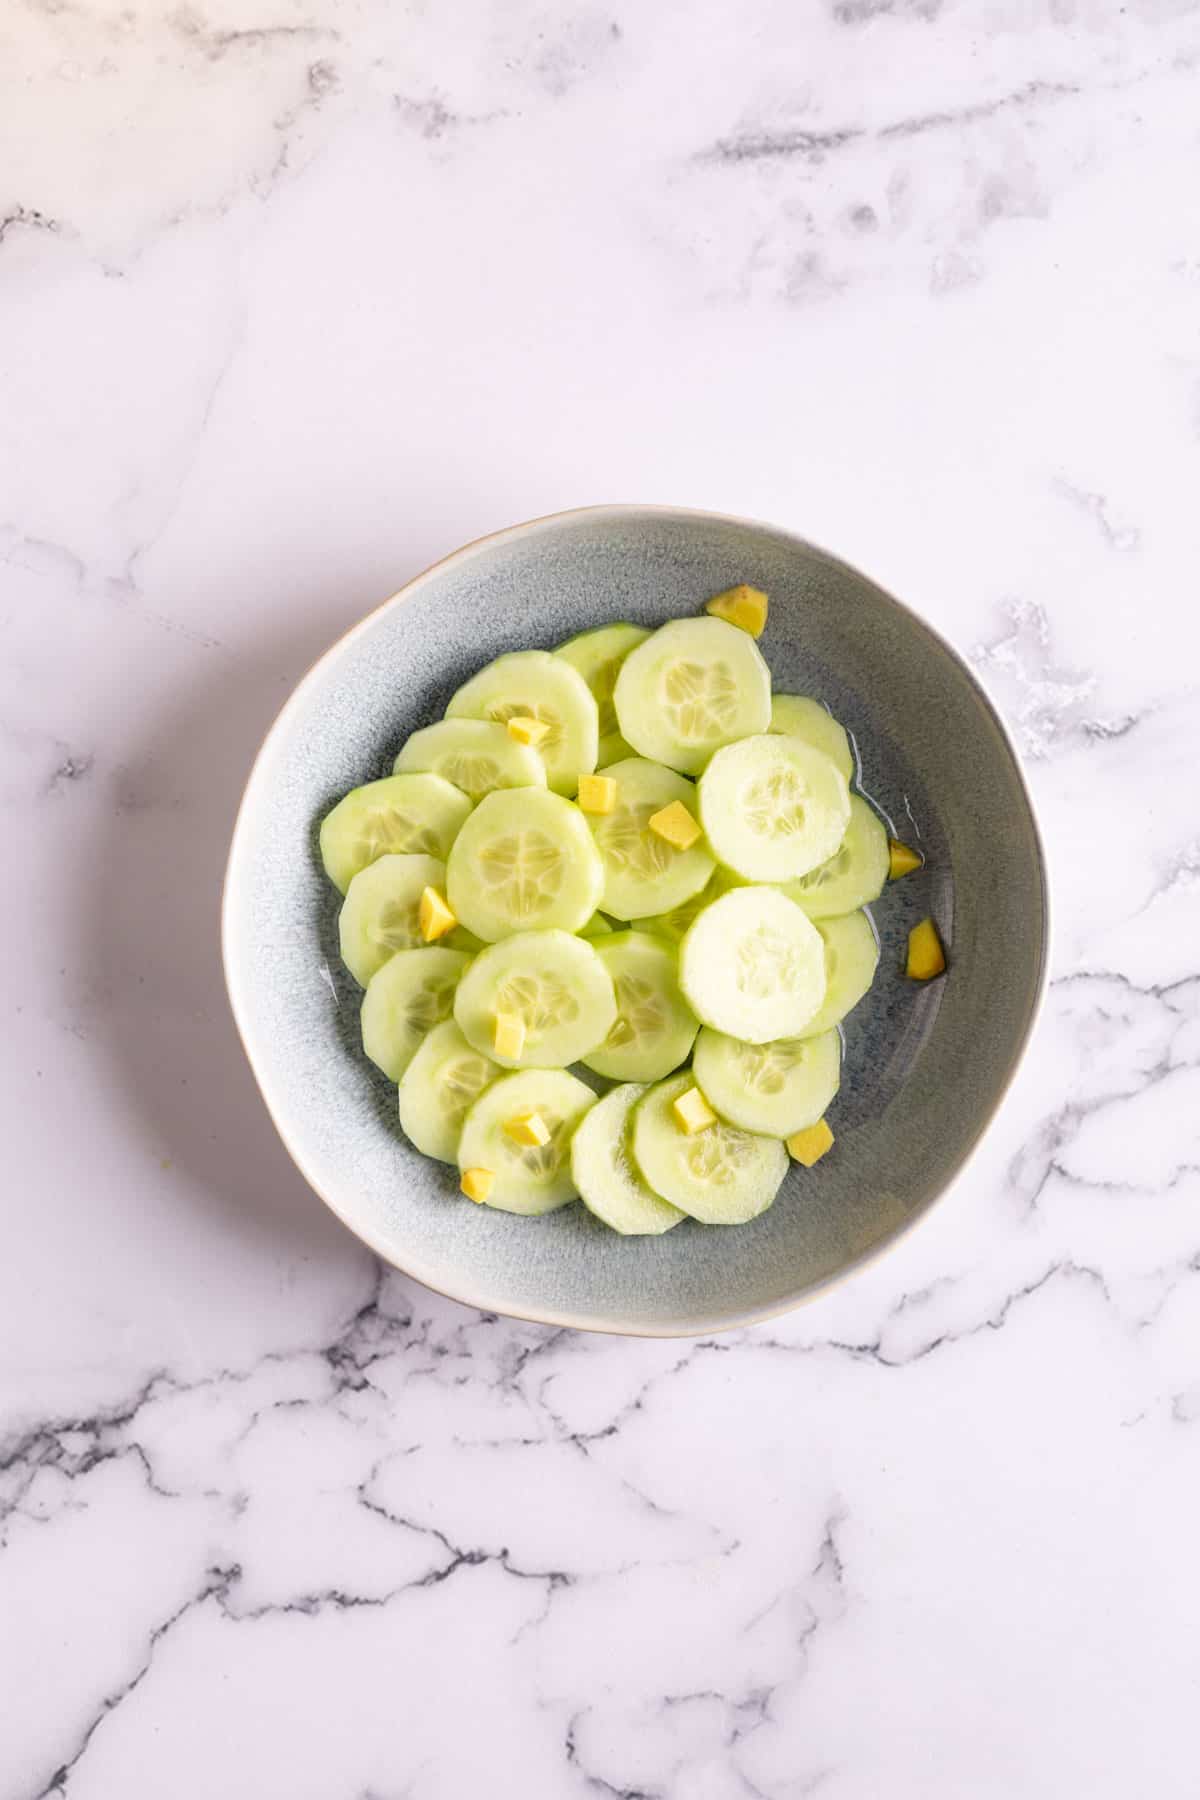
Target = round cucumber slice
(528,1179)
(598,656)
(476,755)
(643,873)
(753,966)
(379,913)
(603,1171)
(438,1089)
(773,1089)
(773,808)
(795,715)
(413,992)
(655,1028)
(693,686)
(554,983)
(855,875)
(721,1176)
(522,862)
(851,958)
(543,686)
(402,815)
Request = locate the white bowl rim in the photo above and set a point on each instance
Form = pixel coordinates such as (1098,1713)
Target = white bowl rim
(609,1324)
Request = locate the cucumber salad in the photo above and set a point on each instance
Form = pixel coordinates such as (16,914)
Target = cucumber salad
(626,855)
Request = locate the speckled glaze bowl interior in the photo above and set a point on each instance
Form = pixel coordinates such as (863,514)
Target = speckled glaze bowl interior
(925,1066)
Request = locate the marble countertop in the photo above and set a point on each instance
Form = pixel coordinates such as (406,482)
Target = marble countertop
(294,297)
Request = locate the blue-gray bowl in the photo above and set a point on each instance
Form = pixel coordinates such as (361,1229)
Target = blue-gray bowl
(926,1066)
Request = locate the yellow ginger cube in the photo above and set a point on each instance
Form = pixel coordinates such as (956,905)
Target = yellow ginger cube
(434,916)
(902,859)
(526,729)
(675,825)
(597,793)
(810,1145)
(528,1128)
(477,1184)
(926,958)
(742,606)
(692,1112)
(508,1036)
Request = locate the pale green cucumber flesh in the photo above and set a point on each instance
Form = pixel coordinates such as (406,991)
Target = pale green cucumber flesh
(405,999)
(527,1179)
(604,1172)
(774,1089)
(721,1176)
(655,1027)
(438,1089)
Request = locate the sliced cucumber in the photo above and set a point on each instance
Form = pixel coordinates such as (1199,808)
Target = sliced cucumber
(413,992)
(855,875)
(655,1028)
(753,966)
(476,755)
(721,1176)
(554,983)
(528,1179)
(438,1089)
(524,861)
(672,925)
(598,656)
(775,1088)
(693,686)
(603,1171)
(851,958)
(795,715)
(379,913)
(642,872)
(404,815)
(597,926)
(543,686)
(773,808)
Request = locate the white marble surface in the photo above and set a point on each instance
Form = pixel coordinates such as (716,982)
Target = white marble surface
(295,296)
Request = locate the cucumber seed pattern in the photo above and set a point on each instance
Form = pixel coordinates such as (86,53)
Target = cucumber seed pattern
(774,803)
(475,774)
(540,1161)
(462,1082)
(639,1012)
(833,870)
(504,710)
(542,1001)
(627,844)
(715,1155)
(766,962)
(765,1067)
(391,831)
(431,1002)
(700,699)
(398,926)
(527,868)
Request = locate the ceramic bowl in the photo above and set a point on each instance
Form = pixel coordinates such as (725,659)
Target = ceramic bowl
(925,1065)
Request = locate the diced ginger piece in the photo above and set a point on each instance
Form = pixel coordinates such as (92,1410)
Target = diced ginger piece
(692,1112)
(528,1128)
(477,1184)
(526,729)
(810,1145)
(742,606)
(902,859)
(675,825)
(597,793)
(434,915)
(508,1035)
(926,958)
